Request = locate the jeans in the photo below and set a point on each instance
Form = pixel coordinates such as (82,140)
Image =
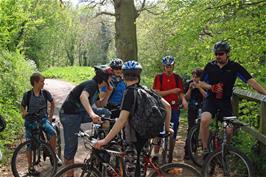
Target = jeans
(71,125)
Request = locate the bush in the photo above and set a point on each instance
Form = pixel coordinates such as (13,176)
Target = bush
(14,80)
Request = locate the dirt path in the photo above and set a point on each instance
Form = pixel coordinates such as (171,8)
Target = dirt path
(60,89)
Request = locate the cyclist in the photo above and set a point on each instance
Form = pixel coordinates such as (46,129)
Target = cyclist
(218,79)
(35,101)
(131,71)
(194,95)
(77,108)
(169,85)
(118,85)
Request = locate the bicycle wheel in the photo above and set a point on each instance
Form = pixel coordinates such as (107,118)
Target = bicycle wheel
(19,162)
(177,169)
(195,149)
(236,163)
(79,169)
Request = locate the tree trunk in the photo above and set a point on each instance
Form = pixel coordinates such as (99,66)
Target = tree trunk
(125,26)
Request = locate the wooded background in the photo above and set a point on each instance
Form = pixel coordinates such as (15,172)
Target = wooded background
(36,35)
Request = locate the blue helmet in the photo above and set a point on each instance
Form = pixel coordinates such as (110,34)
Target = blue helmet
(131,68)
(168,60)
(116,63)
(131,65)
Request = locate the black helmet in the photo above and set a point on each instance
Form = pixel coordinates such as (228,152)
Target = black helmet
(221,46)
(116,63)
(103,72)
(132,67)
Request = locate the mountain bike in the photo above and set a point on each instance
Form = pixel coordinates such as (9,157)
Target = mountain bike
(36,151)
(228,161)
(195,148)
(116,168)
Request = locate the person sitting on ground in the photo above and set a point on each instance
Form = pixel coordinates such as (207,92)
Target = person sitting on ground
(77,108)
(135,144)
(194,95)
(35,102)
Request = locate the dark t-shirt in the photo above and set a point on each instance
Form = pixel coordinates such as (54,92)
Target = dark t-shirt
(72,104)
(128,99)
(227,75)
(196,97)
(127,105)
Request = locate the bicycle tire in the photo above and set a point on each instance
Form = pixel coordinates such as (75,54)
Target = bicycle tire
(195,149)
(2,124)
(176,170)
(238,163)
(81,168)
(19,158)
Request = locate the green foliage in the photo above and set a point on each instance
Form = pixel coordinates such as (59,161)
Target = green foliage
(14,81)
(189,29)
(73,74)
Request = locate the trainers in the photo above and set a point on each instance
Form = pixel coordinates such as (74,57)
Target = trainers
(59,161)
(33,172)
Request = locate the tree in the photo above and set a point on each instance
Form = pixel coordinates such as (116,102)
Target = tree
(125,13)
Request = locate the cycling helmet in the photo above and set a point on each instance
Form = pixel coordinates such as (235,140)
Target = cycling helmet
(168,60)
(131,67)
(103,72)
(116,63)
(221,46)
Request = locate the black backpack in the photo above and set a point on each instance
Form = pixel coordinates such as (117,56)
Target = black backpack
(148,116)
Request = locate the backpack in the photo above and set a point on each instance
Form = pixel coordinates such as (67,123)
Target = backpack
(28,96)
(148,116)
(177,77)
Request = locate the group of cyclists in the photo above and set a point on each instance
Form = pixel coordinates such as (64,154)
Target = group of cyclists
(111,88)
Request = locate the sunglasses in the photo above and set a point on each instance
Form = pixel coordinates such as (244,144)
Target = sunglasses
(117,68)
(219,54)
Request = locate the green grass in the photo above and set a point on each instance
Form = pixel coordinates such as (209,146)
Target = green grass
(74,74)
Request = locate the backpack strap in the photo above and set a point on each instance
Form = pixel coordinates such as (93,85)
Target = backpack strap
(28,96)
(176,79)
(161,80)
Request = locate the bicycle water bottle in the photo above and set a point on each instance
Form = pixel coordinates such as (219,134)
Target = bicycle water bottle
(220,94)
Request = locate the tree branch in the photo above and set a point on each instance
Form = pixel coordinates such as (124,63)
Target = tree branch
(105,13)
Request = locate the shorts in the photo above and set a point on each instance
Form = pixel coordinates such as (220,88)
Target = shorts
(218,108)
(71,125)
(45,124)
